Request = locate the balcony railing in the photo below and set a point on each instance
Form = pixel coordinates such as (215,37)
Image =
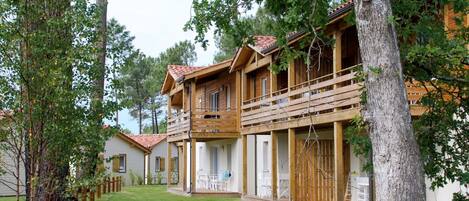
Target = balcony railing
(204,121)
(326,94)
(178,123)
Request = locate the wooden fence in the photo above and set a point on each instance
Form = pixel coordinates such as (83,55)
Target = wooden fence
(107,185)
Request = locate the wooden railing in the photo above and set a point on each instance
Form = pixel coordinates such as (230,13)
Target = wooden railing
(178,123)
(107,185)
(221,121)
(326,94)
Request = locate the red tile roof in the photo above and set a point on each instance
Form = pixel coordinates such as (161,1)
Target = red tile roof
(177,71)
(263,42)
(148,140)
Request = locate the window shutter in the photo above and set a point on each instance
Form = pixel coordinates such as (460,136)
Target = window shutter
(115,163)
(162,164)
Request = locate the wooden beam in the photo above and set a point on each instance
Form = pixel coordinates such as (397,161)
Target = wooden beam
(337,53)
(339,187)
(184,165)
(292,162)
(177,89)
(168,172)
(244,84)
(274,140)
(258,64)
(245,165)
(238,99)
(291,74)
(193,167)
(184,102)
(193,95)
(273,82)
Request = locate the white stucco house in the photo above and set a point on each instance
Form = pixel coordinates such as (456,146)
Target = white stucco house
(156,161)
(125,157)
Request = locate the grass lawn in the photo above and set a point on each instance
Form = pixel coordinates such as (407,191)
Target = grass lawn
(154,193)
(147,193)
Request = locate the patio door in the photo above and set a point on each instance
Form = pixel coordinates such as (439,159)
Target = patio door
(214,101)
(315,170)
(213,160)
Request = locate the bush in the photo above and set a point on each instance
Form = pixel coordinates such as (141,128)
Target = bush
(149,178)
(140,180)
(133,178)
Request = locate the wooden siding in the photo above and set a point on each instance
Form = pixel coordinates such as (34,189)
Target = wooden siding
(315,170)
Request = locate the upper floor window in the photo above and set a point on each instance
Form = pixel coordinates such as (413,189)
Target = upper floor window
(228,97)
(214,98)
(264,87)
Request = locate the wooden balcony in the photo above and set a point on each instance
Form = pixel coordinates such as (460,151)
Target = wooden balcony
(204,124)
(334,97)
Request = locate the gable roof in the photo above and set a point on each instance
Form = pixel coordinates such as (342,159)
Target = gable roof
(175,73)
(209,70)
(131,141)
(149,140)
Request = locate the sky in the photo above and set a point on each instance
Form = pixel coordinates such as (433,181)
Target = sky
(156,25)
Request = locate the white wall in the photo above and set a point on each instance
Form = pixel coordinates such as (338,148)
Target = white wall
(135,158)
(159,150)
(203,161)
(8,180)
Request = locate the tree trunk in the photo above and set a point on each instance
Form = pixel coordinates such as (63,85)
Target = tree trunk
(397,166)
(140,108)
(156,122)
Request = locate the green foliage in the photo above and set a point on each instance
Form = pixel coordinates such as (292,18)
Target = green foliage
(133,178)
(48,67)
(140,180)
(159,178)
(459,196)
(356,136)
(149,178)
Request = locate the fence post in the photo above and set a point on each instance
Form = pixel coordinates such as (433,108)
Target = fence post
(98,190)
(120,183)
(113,184)
(91,195)
(83,194)
(108,184)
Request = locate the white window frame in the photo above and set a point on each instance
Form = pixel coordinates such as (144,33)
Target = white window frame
(214,105)
(122,163)
(263,87)
(157,164)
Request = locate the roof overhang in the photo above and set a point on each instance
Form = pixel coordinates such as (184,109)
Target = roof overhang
(133,142)
(242,56)
(208,71)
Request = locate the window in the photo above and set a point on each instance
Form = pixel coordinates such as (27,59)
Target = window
(119,163)
(214,97)
(228,157)
(264,86)
(265,154)
(159,164)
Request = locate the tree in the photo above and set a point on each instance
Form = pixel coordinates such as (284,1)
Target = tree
(48,68)
(136,93)
(394,145)
(182,53)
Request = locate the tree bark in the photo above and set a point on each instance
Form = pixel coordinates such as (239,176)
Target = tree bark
(140,108)
(397,166)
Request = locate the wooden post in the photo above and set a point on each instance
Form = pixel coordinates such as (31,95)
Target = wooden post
(337,54)
(168,172)
(98,190)
(91,195)
(292,162)
(245,164)
(169,107)
(83,193)
(244,84)
(108,184)
(104,185)
(238,100)
(339,187)
(193,167)
(118,186)
(274,139)
(113,184)
(184,171)
(193,94)
(291,74)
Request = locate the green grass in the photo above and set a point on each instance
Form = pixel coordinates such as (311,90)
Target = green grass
(146,193)
(154,193)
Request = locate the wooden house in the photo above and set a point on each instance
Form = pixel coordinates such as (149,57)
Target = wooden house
(288,126)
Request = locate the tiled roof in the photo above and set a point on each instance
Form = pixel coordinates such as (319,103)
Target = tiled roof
(342,7)
(148,140)
(263,42)
(177,71)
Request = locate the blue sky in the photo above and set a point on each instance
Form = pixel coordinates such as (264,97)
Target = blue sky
(156,25)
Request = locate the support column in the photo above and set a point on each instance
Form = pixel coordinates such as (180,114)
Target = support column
(184,165)
(238,99)
(192,96)
(168,172)
(291,74)
(292,162)
(245,165)
(274,139)
(169,107)
(339,187)
(337,54)
(193,167)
